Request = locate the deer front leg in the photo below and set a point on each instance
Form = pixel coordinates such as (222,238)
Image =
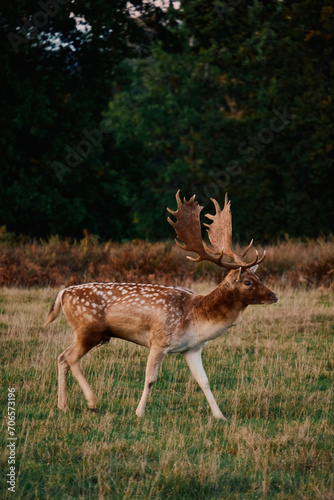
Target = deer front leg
(195,364)
(153,363)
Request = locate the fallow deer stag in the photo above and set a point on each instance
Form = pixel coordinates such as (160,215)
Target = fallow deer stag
(166,319)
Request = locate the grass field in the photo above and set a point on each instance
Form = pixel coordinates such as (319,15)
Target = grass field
(272,376)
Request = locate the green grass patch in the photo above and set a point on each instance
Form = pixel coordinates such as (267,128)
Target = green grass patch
(272,377)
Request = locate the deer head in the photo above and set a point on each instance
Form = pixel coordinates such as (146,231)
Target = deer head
(247,288)
(241,278)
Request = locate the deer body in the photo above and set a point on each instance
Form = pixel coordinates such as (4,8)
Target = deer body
(165,319)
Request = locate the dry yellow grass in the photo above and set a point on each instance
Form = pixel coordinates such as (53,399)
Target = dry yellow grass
(272,376)
(57,262)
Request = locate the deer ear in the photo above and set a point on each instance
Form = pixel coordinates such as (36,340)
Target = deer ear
(254,268)
(234,275)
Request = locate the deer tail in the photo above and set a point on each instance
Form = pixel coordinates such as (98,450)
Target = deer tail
(55,308)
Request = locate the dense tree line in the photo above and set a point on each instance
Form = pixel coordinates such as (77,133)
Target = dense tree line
(108,107)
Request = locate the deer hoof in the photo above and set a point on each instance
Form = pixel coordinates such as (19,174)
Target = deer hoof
(220,416)
(63,408)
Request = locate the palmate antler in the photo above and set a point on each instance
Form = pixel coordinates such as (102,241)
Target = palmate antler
(188,230)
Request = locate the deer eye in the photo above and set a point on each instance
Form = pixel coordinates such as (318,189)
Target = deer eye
(248,283)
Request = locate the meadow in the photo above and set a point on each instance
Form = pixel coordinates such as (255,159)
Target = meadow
(272,376)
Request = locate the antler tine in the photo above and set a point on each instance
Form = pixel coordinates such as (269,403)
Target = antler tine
(247,248)
(217,207)
(200,258)
(191,200)
(218,261)
(262,258)
(179,203)
(256,261)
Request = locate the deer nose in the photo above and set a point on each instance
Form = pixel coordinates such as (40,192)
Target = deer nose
(273,297)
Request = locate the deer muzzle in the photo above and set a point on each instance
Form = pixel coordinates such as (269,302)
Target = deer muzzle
(273,297)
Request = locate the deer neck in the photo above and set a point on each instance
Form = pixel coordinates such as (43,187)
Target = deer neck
(222,308)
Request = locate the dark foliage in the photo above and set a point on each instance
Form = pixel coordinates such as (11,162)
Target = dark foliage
(216,96)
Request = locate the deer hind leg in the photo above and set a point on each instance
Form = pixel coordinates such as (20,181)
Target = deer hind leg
(70,358)
(63,368)
(153,363)
(194,360)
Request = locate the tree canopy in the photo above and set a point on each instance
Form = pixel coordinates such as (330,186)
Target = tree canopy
(105,114)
